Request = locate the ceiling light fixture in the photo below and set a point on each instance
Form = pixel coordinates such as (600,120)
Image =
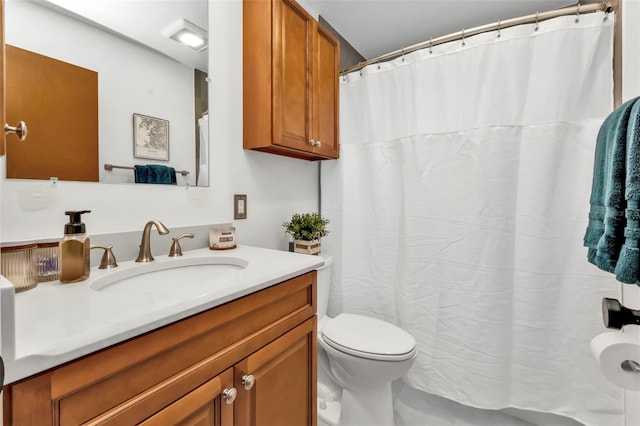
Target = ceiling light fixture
(187,33)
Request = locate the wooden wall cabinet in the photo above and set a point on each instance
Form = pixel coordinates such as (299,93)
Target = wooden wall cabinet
(248,362)
(290,81)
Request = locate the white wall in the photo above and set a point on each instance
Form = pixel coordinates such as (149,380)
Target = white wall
(275,186)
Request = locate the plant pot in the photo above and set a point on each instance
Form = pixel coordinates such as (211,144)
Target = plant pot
(306,247)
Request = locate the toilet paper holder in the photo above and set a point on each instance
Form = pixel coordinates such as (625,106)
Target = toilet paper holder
(616,315)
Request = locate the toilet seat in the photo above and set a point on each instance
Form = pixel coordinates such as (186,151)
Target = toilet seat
(369,338)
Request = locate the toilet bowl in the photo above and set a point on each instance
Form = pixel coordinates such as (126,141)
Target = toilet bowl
(364,356)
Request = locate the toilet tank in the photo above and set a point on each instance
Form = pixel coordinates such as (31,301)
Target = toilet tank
(324,285)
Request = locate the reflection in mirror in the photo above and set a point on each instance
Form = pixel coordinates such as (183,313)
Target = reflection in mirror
(140,70)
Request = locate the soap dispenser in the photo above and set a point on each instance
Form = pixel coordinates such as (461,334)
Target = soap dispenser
(75,249)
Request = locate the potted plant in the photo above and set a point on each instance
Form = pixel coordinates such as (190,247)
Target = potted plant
(306,230)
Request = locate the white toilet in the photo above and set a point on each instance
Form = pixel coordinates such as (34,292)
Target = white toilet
(364,355)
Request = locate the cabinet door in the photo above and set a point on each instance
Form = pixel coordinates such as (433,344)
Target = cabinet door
(292,61)
(207,405)
(325,94)
(277,384)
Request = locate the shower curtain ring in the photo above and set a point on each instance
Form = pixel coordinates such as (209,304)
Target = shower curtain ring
(463,43)
(378,64)
(402,52)
(537,15)
(430,46)
(499,27)
(578,13)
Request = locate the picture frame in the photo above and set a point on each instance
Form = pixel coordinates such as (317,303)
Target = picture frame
(150,137)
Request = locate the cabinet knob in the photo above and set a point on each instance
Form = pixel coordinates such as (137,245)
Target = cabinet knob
(20,130)
(312,142)
(317,144)
(248,381)
(229,395)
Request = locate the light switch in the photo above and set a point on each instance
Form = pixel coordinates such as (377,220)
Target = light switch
(240,206)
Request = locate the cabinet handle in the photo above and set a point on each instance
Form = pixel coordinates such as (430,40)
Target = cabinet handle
(229,395)
(20,130)
(312,142)
(317,144)
(248,381)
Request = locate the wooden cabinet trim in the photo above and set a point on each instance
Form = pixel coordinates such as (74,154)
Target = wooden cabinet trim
(80,373)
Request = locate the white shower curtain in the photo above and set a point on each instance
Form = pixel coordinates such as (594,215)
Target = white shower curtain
(458,208)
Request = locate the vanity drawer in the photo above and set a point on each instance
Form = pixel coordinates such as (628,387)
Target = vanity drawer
(83,389)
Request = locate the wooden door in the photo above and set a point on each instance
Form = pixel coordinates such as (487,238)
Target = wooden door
(284,388)
(59,103)
(2,78)
(325,94)
(292,34)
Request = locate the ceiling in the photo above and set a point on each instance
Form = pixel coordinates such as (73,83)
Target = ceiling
(376,27)
(372,27)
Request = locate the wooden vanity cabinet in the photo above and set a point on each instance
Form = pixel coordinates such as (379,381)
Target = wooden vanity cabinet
(251,361)
(290,81)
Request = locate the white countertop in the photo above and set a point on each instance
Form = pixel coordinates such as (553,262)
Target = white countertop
(56,323)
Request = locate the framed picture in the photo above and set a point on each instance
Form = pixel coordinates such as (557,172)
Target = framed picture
(150,137)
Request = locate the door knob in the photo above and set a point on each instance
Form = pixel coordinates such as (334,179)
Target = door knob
(20,130)
(229,395)
(248,381)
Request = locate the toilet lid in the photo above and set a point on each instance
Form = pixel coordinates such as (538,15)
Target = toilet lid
(368,338)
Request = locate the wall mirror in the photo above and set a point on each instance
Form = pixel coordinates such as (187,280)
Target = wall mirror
(142,71)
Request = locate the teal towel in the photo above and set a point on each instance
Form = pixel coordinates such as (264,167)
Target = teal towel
(612,233)
(156,174)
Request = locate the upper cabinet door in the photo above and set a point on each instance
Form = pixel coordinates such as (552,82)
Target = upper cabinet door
(290,82)
(326,93)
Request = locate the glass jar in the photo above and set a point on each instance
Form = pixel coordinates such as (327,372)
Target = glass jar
(19,266)
(46,258)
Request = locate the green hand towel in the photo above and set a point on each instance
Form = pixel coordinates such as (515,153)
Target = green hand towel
(605,233)
(156,174)
(628,266)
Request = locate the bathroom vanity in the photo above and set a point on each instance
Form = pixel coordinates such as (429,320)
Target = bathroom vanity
(242,354)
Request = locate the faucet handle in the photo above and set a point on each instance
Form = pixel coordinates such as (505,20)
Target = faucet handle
(108,260)
(176,250)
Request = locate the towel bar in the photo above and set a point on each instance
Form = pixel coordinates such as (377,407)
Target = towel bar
(110,167)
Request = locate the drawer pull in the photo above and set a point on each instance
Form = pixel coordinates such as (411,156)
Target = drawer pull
(248,381)
(229,395)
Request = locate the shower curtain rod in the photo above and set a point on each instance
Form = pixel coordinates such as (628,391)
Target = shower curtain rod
(460,35)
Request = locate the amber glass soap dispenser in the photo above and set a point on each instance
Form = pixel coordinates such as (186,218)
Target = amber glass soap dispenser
(75,249)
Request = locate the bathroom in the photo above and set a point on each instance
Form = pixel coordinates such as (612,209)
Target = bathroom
(275,186)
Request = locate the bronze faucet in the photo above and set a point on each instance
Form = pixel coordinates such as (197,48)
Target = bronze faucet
(145,244)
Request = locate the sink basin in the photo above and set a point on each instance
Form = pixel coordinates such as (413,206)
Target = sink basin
(182,274)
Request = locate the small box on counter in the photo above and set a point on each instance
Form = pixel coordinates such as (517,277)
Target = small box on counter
(222,238)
